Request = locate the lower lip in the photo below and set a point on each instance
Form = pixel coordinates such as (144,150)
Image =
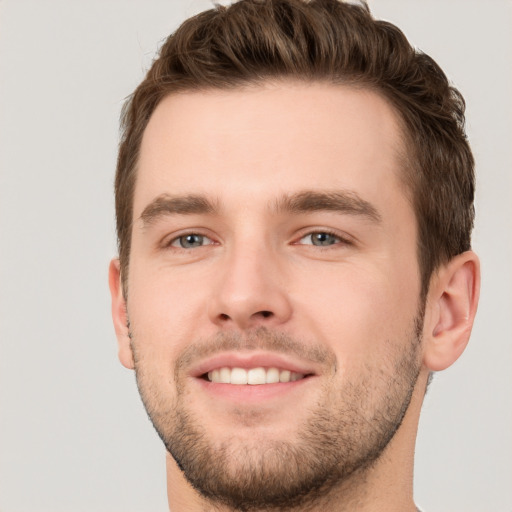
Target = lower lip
(252,393)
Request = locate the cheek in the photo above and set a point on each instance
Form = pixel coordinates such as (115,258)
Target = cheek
(165,312)
(357,309)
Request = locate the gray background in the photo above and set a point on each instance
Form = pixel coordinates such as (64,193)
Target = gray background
(73,434)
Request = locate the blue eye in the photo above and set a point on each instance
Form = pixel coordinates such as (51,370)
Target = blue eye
(190,241)
(321,239)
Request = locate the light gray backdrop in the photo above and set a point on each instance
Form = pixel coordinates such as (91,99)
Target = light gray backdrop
(73,434)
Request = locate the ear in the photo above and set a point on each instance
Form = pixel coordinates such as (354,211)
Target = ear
(451,308)
(119,315)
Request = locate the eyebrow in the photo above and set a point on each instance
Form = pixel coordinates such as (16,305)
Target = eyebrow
(166,204)
(346,202)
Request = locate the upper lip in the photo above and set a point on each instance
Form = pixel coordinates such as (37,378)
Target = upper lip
(252,359)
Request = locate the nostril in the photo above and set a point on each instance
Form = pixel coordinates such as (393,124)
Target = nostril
(258,315)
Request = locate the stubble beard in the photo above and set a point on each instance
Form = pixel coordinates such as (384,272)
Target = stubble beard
(343,434)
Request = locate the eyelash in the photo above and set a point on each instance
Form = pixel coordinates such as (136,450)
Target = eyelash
(176,239)
(340,240)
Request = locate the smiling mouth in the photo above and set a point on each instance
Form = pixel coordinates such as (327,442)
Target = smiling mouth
(252,376)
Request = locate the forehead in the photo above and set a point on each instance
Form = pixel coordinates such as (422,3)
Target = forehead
(262,141)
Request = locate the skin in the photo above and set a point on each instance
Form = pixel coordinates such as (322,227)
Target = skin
(357,299)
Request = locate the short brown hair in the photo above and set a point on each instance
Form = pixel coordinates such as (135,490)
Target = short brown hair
(320,40)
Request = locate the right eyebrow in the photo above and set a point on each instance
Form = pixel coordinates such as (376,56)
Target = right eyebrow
(165,205)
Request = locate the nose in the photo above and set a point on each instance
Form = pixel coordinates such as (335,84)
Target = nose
(250,291)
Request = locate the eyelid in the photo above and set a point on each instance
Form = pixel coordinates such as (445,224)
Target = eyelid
(204,238)
(344,238)
(167,241)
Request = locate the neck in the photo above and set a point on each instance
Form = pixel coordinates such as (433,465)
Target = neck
(385,486)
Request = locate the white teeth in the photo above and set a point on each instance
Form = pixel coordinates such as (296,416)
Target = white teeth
(225,376)
(256,376)
(238,376)
(272,375)
(284,375)
(253,376)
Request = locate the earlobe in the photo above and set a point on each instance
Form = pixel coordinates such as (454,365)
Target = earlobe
(452,303)
(119,315)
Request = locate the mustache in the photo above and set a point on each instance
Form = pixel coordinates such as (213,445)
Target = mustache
(261,338)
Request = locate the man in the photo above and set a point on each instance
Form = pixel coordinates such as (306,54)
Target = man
(294,198)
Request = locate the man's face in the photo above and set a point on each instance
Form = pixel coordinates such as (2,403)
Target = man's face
(273,241)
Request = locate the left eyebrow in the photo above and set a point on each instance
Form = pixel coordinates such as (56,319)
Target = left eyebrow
(343,201)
